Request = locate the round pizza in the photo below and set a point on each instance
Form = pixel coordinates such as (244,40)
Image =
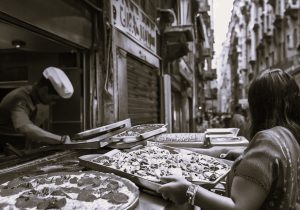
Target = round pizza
(69,190)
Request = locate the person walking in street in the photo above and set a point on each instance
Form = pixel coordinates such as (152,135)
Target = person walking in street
(238,120)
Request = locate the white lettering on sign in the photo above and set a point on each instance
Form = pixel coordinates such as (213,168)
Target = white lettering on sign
(129,18)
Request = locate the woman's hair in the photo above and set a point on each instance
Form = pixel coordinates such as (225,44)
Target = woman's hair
(274,100)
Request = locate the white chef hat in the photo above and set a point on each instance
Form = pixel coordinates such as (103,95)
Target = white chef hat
(60,81)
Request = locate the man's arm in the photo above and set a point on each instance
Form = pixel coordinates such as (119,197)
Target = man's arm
(21,122)
(37,134)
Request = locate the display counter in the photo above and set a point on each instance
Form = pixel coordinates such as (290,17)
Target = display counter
(67,161)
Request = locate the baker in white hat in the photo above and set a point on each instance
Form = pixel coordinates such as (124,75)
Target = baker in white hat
(19,108)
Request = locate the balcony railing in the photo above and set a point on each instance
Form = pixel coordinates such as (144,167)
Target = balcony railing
(209,75)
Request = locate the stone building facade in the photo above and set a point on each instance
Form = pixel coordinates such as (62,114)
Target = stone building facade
(262,34)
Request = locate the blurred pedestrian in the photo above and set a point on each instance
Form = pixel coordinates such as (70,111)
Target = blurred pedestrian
(238,120)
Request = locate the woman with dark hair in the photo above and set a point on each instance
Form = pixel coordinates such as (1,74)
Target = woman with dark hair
(267,175)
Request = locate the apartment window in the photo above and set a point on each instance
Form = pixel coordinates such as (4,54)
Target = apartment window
(280,52)
(267,21)
(278,7)
(260,58)
(283,50)
(295,37)
(274,37)
(288,40)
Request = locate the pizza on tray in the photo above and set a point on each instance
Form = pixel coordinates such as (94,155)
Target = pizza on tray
(73,190)
(180,137)
(139,132)
(152,162)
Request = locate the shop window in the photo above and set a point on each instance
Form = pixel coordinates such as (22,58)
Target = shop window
(295,37)
(67,60)
(13,67)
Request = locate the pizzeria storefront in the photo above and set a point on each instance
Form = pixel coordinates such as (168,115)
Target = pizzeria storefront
(70,169)
(136,64)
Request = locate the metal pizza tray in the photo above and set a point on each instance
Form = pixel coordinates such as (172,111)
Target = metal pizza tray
(126,137)
(222,132)
(178,139)
(195,140)
(229,141)
(86,161)
(123,145)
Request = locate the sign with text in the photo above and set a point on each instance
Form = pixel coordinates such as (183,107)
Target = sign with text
(128,17)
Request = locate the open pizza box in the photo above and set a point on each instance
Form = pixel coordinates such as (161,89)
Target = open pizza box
(117,135)
(93,161)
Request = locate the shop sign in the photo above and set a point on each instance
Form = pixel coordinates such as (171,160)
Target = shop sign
(128,17)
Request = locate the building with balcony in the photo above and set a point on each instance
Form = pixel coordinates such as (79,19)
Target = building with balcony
(186,37)
(264,34)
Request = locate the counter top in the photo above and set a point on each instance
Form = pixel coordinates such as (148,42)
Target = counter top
(68,161)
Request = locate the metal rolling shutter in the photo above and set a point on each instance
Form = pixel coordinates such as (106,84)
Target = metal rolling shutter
(143,92)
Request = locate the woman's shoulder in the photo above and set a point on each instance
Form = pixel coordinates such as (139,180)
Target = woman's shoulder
(273,139)
(276,132)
